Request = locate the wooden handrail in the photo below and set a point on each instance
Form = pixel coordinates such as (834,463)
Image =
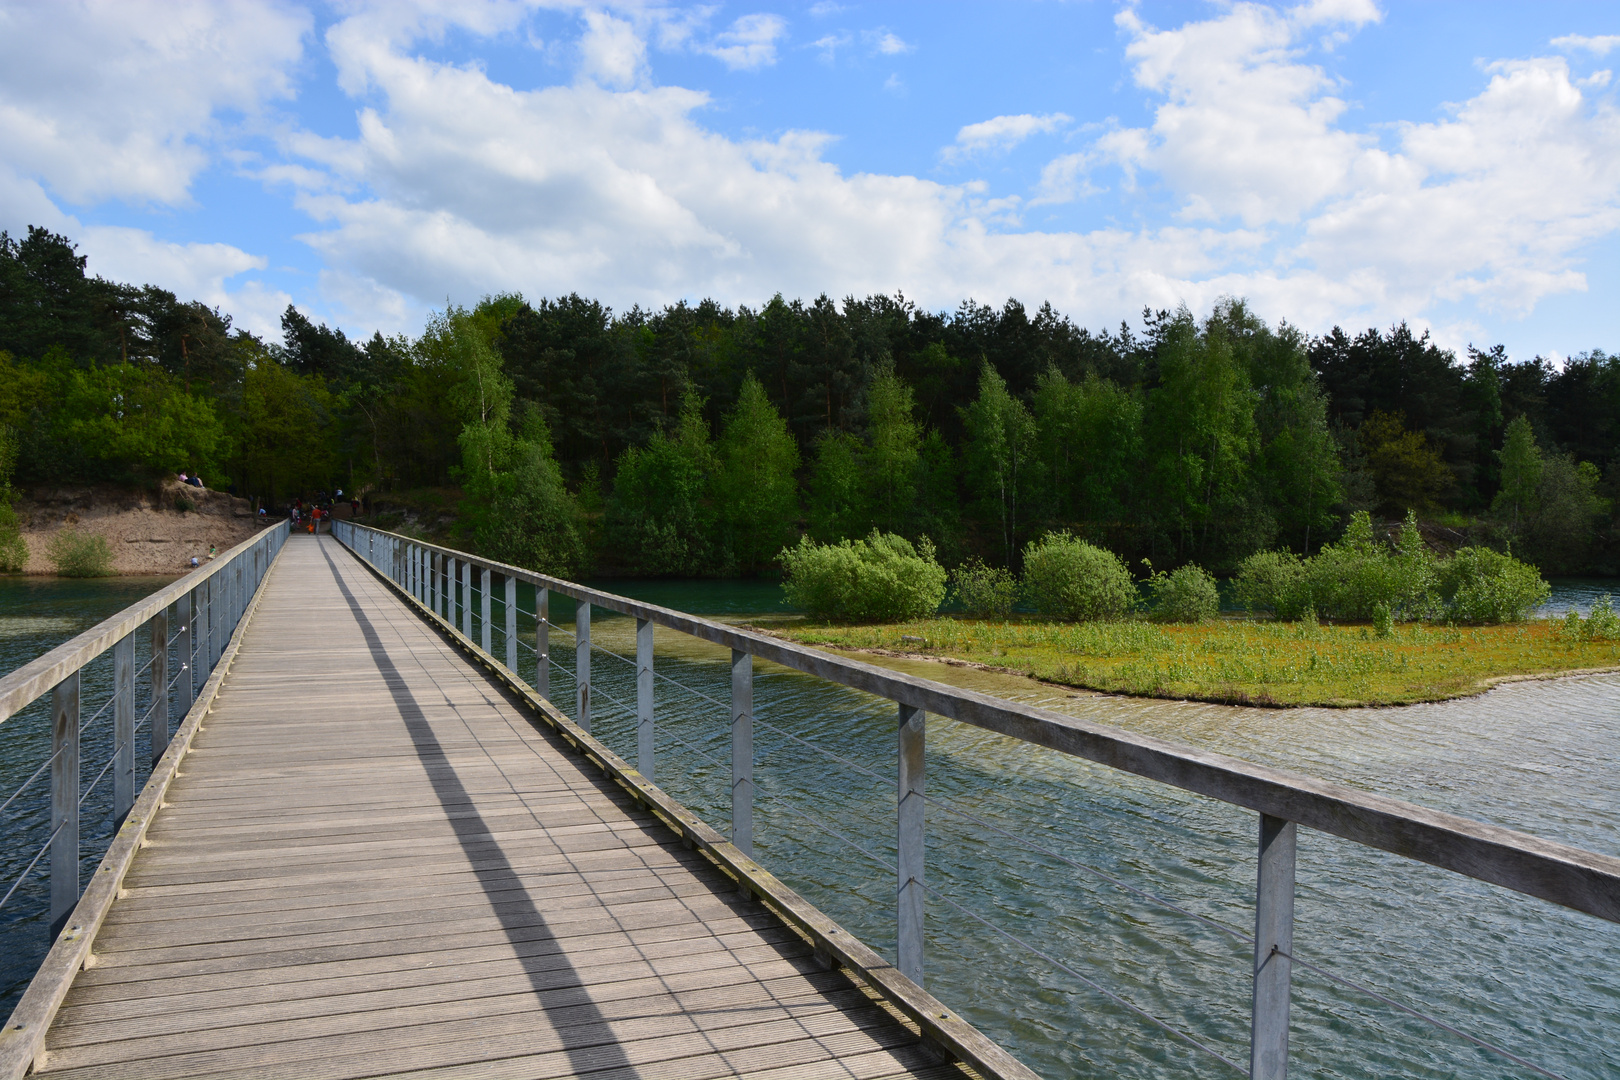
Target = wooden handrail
(1573,877)
(31,681)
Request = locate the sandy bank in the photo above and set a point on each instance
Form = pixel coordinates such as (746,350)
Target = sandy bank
(148,531)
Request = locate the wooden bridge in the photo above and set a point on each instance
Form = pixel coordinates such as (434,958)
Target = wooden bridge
(371,849)
(371,862)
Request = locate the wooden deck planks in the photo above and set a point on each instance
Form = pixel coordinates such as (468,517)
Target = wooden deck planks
(372,864)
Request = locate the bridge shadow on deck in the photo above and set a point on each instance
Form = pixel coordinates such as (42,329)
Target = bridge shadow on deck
(586,1036)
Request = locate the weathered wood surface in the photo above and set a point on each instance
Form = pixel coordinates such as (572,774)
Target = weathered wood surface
(371,864)
(1586,881)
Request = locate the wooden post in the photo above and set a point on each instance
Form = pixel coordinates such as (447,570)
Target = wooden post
(159,629)
(582,664)
(909,840)
(644,697)
(511,624)
(64,801)
(1273,937)
(486,593)
(183,612)
(742,751)
(123,769)
(542,642)
(466,599)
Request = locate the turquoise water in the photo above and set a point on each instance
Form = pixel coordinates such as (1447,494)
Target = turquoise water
(1542,757)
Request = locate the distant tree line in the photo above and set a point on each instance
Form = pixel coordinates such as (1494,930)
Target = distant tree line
(699,439)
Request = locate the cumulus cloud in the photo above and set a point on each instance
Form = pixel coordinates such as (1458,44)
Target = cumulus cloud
(190,271)
(1600,45)
(889,44)
(458,185)
(750,44)
(1001,133)
(119,99)
(611,52)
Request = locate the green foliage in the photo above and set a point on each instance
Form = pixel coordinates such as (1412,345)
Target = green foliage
(894,454)
(13,549)
(660,520)
(756,495)
(1089,441)
(1272,581)
(984,591)
(1406,467)
(836,509)
(1000,438)
(1360,578)
(1548,506)
(1185,595)
(75,553)
(1067,578)
(1479,585)
(1603,624)
(883,578)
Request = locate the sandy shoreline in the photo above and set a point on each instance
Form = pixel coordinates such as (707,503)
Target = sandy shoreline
(147,531)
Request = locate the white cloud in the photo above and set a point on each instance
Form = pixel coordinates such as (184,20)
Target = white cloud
(889,44)
(750,44)
(829,44)
(190,271)
(1600,45)
(457,185)
(119,99)
(611,52)
(1001,133)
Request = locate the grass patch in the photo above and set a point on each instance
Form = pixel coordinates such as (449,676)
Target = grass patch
(1240,662)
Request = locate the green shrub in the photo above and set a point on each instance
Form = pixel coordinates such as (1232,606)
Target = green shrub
(882,578)
(1185,595)
(1601,625)
(1479,585)
(13,550)
(183,505)
(1272,581)
(79,554)
(1357,578)
(1068,578)
(984,591)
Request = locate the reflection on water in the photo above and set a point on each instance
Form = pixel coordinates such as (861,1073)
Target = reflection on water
(1534,756)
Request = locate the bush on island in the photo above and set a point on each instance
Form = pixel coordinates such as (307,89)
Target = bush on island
(1479,585)
(985,592)
(1185,595)
(883,578)
(1067,578)
(1362,578)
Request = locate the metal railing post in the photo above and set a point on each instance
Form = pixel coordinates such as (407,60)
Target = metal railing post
(216,619)
(64,801)
(484,598)
(466,599)
(1273,944)
(742,751)
(183,612)
(511,624)
(909,840)
(582,663)
(433,582)
(542,642)
(159,630)
(644,697)
(123,769)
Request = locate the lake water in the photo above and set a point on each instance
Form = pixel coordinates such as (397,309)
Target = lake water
(1541,757)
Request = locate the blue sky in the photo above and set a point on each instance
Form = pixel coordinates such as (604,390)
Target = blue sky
(1335,161)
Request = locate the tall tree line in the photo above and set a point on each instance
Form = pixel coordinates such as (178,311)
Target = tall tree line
(696,439)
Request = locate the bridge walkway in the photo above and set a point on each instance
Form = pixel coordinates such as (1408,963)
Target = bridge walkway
(372,864)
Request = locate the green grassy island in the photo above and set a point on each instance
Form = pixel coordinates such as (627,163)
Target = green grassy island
(1239,661)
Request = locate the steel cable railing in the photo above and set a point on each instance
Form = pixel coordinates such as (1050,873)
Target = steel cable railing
(946,806)
(1289,795)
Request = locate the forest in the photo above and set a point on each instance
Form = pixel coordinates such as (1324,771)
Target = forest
(702,440)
